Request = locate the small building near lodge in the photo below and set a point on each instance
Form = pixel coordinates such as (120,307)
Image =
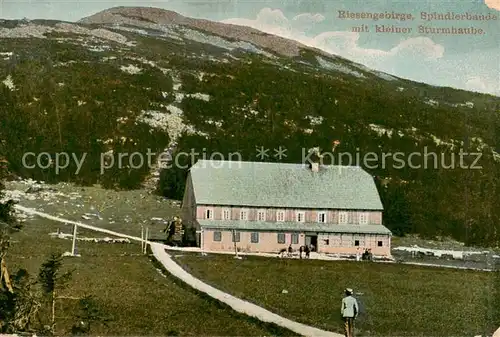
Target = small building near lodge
(265,207)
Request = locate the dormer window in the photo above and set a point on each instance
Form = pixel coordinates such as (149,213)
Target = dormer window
(209,213)
(226,214)
(243,214)
(261,215)
(322,217)
(280,215)
(342,217)
(300,216)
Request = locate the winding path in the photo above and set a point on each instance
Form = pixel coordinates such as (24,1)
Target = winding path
(235,303)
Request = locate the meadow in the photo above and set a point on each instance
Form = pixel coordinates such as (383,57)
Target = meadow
(395,299)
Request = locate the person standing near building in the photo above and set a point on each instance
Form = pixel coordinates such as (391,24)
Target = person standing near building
(349,312)
(358,254)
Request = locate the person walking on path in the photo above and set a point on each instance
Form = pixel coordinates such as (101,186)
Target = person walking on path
(349,312)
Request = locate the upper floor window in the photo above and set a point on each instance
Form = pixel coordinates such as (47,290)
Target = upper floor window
(261,215)
(243,214)
(363,218)
(322,217)
(342,217)
(280,215)
(226,214)
(209,213)
(300,216)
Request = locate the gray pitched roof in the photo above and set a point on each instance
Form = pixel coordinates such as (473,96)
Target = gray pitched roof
(261,184)
(293,226)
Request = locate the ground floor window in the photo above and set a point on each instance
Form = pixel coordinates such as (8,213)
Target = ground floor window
(356,243)
(254,237)
(217,236)
(281,237)
(379,243)
(295,238)
(236,236)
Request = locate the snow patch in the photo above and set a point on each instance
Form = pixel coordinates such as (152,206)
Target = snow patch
(437,252)
(155,119)
(6,55)
(200,96)
(338,67)
(431,102)
(175,123)
(197,36)
(384,76)
(315,120)
(150,63)
(131,69)
(380,130)
(87,239)
(9,83)
(380,74)
(38,31)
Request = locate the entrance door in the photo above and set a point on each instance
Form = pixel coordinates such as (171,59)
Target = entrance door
(314,243)
(312,240)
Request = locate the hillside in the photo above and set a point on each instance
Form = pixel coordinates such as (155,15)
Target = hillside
(136,79)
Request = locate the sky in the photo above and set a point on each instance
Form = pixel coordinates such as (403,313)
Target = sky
(470,62)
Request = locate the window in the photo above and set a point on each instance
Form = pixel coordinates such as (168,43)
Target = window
(356,242)
(280,216)
(243,214)
(363,218)
(209,213)
(327,242)
(236,236)
(217,236)
(254,237)
(261,215)
(295,238)
(379,243)
(300,216)
(342,217)
(226,214)
(281,237)
(322,217)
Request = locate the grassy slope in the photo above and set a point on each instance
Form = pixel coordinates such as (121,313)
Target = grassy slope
(397,300)
(140,300)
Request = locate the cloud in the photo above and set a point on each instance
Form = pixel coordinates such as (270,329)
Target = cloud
(335,42)
(493,4)
(417,58)
(475,83)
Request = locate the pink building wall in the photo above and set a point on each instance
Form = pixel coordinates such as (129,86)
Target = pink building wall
(268,243)
(332,216)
